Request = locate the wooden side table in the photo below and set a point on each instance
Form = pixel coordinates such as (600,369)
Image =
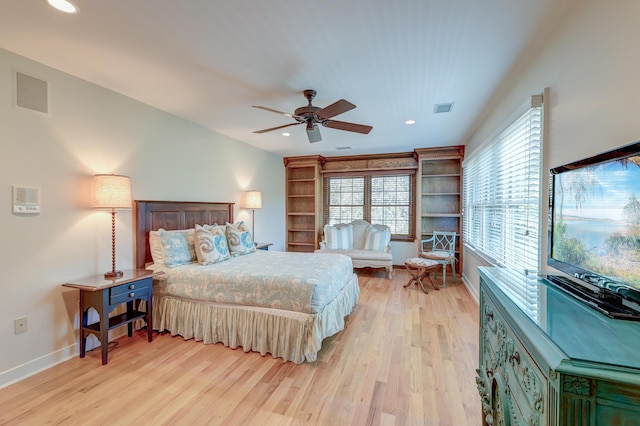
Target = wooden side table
(104,295)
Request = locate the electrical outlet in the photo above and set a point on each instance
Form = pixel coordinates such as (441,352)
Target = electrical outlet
(20,325)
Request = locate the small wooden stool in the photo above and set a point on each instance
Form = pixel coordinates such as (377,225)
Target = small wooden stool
(420,268)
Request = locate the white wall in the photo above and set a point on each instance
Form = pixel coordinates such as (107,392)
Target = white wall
(590,66)
(93,130)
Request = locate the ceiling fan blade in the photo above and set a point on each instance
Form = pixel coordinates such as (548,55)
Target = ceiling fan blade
(335,108)
(276,128)
(273,110)
(349,127)
(313,133)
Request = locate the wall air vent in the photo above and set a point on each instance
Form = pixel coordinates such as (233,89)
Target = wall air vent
(440,108)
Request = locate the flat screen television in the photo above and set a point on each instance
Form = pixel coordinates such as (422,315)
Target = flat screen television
(594,230)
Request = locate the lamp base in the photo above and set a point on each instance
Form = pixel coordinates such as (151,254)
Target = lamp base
(113,274)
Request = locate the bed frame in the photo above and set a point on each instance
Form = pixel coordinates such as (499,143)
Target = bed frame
(170,215)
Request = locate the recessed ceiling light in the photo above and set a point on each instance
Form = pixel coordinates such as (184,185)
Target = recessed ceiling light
(286,134)
(63,6)
(410,122)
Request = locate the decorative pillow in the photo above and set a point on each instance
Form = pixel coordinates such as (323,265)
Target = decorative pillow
(339,236)
(178,247)
(211,244)
(377,238)
(155,246)
(239,239)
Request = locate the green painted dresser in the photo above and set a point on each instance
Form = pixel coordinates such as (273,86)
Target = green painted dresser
(548,359)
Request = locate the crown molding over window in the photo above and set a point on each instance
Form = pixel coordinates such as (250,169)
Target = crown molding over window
(402,161)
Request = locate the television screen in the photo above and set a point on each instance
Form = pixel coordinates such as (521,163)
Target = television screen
(595,220)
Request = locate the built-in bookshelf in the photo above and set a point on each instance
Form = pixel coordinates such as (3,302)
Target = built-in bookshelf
(304,202)
(439,203)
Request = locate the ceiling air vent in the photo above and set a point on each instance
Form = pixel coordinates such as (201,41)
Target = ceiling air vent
(343,147)
(440,108)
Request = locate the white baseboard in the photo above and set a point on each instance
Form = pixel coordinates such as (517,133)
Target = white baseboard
(45,362)
(472,290)
(37,365)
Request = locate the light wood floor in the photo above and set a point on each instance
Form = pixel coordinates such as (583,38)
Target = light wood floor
(404,358)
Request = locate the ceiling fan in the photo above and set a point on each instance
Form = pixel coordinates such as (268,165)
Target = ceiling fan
(313,115)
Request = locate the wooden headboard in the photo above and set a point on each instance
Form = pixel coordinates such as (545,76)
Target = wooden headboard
(153,215)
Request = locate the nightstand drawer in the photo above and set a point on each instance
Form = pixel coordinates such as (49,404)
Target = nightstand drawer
(130,291)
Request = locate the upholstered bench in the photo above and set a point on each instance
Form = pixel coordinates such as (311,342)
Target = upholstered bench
(420,268)
(367,245)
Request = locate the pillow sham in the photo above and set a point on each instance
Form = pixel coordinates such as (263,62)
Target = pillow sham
(211,244)
(239,239)
(377,238)
(178,247)
(155,246)
(339,237)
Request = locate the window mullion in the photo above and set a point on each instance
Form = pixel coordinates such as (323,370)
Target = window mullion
(367,198)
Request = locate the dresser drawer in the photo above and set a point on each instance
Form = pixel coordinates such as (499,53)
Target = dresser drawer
(130,291)
(527,384)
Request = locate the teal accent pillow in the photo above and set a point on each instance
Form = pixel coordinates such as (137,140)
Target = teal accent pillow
(178,247)
(239,239)
(211,244)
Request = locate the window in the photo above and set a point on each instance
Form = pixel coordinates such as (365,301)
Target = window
(379,198)
(502,195)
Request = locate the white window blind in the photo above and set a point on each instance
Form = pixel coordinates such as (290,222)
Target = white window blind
(501,186)
(346,199)
(391,202)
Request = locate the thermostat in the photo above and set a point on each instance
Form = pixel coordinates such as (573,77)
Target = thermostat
(26,199)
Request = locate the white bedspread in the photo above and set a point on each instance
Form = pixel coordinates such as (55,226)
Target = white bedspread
(299,282)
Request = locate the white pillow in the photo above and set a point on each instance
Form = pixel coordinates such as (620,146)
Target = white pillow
(339,237)
(377,238)
(155,246)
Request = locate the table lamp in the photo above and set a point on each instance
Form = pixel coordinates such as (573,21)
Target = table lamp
(112,192)
(253,201)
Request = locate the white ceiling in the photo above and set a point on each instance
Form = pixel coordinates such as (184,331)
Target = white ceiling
(210,61)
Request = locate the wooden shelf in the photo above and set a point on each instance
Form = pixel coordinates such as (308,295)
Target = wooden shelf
(118,320)
(439,193)
(303,202)
(439,204)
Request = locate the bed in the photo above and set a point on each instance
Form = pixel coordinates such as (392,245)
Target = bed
(278,303)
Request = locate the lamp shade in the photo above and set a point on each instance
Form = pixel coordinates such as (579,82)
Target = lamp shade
(111,192)
(253,200)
